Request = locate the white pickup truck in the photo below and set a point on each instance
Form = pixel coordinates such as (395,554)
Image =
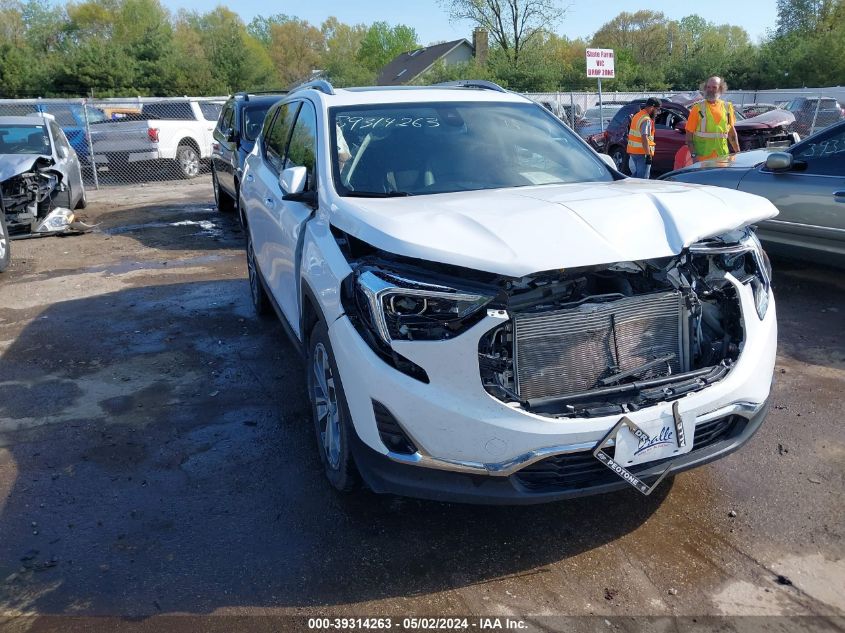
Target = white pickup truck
(177,131)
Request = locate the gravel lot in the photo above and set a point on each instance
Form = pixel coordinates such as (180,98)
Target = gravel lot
(157,457)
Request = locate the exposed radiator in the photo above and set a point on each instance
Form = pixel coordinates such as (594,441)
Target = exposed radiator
(571,350)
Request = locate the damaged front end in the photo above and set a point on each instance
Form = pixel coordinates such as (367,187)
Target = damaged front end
(586,342)
(26,199)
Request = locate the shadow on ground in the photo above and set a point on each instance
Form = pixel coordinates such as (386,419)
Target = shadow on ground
(158,456)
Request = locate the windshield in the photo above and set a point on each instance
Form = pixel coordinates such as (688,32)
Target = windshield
(24,139)
(426,148)
(253,119)
(606,112)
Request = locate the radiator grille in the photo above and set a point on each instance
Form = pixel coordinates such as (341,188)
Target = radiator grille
(570,350)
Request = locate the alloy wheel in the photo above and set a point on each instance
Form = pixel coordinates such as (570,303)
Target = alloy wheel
(189,162)
(326,406)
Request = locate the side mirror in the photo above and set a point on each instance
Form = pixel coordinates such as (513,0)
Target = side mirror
(62,152)
(779,161)
(609,161)
(232,136)
(292,180)
(681,126)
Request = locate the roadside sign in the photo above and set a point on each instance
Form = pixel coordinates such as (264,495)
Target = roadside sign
(600,63)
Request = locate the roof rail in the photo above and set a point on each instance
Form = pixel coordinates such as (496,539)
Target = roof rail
(472,83)
(318,84)
(246,93)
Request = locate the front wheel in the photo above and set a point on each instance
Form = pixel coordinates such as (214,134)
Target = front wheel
(83,200)
(5,253)
(187,161)
(332,423)
(222,200)
(620,157)
(260,300)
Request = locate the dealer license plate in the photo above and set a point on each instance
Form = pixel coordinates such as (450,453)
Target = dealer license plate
(665,437)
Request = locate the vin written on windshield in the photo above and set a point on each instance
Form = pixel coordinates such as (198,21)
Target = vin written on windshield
(418,149)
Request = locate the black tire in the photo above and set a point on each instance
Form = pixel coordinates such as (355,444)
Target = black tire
(332,422)
(83,200)
(222,200)
(187,162)
(620,157)
(260,300)
(5,244)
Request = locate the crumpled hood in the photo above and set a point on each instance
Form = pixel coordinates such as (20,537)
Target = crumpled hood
(771,119)
(14,164)
(516,232)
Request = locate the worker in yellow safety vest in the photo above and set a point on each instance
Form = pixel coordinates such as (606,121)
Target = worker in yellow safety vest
(641,139)
(710,126)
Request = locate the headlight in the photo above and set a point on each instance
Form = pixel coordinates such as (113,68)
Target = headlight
(761,283)
(403,309)
(741,254)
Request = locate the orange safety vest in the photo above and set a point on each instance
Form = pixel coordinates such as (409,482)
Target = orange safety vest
(635,140)
(710,140)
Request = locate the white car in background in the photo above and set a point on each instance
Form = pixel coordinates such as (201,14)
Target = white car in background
(175,132)
(489,311)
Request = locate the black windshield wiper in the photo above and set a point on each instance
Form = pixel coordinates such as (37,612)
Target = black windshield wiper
(377,194)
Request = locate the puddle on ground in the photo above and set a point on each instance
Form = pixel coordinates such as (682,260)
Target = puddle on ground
(207,228)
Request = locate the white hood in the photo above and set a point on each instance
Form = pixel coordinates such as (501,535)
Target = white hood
(516,232)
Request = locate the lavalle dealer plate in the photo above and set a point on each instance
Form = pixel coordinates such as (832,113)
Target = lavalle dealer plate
(651,441)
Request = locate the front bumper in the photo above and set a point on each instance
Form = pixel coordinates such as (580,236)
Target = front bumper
(584,476)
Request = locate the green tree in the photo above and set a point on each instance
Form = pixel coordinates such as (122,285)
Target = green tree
(382,43)
(296,48)
(259,27)
(340,60)
(237,61)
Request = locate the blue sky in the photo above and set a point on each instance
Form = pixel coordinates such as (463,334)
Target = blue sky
(583,18)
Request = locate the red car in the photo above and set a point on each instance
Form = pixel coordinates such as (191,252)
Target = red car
(670,133)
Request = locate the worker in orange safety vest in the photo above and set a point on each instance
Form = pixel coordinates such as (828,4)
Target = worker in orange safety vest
(641,139)
(710,126)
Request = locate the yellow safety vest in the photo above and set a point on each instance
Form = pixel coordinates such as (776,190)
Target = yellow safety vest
(635,138)
(710,139)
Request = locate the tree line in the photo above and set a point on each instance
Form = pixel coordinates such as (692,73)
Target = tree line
(137,47)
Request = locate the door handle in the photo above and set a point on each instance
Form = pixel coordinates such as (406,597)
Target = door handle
(270,202)
(839,196)
(250,178)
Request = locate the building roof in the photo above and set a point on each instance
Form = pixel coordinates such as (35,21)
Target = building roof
(408,66)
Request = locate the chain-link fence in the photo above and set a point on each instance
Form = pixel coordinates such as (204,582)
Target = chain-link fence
(812,108)
(124,141)
(131,140)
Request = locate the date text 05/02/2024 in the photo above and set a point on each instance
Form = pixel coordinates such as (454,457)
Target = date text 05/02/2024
(417,624)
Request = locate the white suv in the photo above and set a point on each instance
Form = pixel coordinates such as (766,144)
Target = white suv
(490,312)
